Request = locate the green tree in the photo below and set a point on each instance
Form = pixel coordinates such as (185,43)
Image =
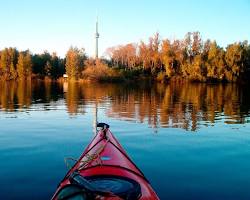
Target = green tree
(246,59)
(39,62)
(48,68)
(57,66)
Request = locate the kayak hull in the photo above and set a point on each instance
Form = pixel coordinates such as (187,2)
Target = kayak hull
(104,156)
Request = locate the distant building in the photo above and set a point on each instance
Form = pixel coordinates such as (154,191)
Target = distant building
(65,76)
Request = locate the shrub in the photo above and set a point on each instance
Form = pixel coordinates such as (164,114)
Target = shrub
(161,77)
(99,71)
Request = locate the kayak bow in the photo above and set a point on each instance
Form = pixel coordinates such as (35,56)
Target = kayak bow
(104,171)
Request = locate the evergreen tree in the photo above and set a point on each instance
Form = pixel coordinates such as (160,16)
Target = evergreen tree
(48,68)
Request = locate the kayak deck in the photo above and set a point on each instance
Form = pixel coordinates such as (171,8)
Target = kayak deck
(105,164)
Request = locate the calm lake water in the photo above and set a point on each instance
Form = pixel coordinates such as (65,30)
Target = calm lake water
(191,141)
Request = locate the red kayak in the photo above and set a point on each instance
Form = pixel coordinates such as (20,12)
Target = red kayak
(104,171)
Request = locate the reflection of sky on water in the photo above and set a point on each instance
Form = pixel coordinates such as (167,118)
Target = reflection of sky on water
(189,146)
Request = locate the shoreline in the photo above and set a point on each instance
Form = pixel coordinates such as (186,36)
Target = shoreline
(123,80)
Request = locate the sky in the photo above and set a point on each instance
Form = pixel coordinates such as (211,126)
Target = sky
(55,25)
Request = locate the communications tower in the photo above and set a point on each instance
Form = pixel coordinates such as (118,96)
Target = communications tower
(96,38)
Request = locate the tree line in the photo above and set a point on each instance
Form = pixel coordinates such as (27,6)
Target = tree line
(190,58)
(16,64)
(163,59)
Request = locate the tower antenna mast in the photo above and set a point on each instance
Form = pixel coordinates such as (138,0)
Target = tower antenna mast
(96,38)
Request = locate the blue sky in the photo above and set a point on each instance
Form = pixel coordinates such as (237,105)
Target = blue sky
(55,25)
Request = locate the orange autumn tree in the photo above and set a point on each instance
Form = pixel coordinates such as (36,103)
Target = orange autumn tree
(190,58)
(75,62)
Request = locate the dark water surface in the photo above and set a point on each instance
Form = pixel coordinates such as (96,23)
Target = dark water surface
(191,141)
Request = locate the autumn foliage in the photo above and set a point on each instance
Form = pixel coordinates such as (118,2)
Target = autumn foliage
(23,65)
(97,70)
(159,59)
(14,64)
(190,58)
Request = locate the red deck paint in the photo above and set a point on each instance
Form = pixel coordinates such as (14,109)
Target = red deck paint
(112,160)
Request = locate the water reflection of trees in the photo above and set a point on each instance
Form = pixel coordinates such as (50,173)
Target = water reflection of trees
(175,105)
(16,95)
(188,105)
(74,98)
